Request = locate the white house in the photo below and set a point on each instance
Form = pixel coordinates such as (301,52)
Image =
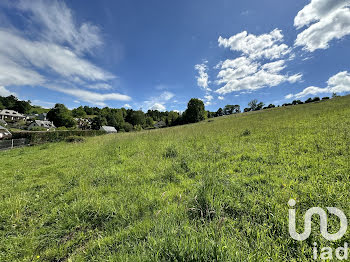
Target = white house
(7,114)
(108,129)
(44,124)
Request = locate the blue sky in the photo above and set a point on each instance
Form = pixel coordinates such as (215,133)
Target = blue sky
(158,54)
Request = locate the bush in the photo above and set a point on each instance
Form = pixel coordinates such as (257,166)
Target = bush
(54,136)
(38,128)
(246,132)
(170,152)
(75,139)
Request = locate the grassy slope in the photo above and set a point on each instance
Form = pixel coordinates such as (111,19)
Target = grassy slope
(201,192)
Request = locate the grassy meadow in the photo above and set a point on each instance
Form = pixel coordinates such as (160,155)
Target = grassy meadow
(211,191)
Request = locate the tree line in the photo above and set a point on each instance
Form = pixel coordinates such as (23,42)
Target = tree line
(133,120)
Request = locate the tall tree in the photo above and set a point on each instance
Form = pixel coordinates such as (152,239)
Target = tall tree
(61,116)
(220,112)
(79,112)
(253,104)
(195,111)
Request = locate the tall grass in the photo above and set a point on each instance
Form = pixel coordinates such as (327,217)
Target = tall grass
(211,191)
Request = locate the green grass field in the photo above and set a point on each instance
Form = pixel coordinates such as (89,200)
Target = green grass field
(211,191)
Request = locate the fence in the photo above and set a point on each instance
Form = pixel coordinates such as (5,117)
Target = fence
(8,144)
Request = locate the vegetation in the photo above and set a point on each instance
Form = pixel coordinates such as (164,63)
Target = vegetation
(54,136)
(61,116)
(12,103)
(211,191)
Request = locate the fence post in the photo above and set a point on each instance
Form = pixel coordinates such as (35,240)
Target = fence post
(11,143)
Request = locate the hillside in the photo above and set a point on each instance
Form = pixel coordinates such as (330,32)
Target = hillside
(211,191)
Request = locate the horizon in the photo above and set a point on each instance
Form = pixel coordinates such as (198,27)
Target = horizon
(158,55)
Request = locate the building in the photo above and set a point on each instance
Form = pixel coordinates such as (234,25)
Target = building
(108,129)
(44,124)
(83,123)
(42,116)
(7,114)
(160,124)
(4,133)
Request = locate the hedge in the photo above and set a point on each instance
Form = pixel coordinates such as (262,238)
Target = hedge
(40,137)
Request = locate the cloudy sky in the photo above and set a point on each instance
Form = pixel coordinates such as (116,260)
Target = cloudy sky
(158,54)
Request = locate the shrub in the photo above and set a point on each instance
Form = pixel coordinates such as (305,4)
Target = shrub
(246,132)
(38,128)
(54,136)
(75,139)
(170,152)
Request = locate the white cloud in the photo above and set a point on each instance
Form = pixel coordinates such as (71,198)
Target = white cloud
(158,106)
(165,96)
(127,106)
(295,78)
(203,77)
(251,71)
(325,20)
(207,100)
(236,68)
(52,55)
(311,90)
(244,74)
(267,46)
(43,55)
(338,83)
(57,25)
(316,10)
(5,92)
(91,97)
(221,97)
(43,104)
(100,86)
(158,102)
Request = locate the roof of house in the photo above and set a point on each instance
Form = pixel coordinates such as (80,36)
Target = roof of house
(7,112)
(108,128)
(160,124)
(46,124)
(2,128)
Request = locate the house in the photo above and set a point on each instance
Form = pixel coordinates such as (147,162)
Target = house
(83,123)
(7,114)
(44,124)
(42,117)
(160,124)
(4,133)
(108,129)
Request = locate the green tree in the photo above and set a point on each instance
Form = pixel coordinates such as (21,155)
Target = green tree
(79,112)
(98,121)
(149,121)
(1,106)
(195,111)
(61,116)
(172,117)
(253,104)
(127,127)
(220,112)
(137,118)
(259,106)
(22,107)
